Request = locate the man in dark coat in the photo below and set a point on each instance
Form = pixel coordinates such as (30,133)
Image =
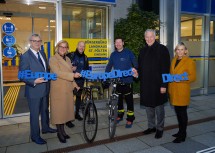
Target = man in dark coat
(153,61)
(80,62)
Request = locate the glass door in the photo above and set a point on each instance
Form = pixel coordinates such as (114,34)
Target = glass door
(211,83)
(192,33)
(34,17)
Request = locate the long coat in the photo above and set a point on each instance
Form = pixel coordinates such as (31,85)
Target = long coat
(61,92)
(179,92)
(153,61)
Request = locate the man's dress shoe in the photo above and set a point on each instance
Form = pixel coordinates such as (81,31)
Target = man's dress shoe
(39,141)
(158,134)
(49,130)
(149,131)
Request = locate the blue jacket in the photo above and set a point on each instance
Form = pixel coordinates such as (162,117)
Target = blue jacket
(123,60)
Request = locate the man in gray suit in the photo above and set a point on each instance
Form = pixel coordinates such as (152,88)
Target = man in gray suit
(36,90)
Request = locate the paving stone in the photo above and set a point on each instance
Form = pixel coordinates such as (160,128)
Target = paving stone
(96,149)
(126,146)
(157,149)
(27,148)
(189,146)
(204,127)
(102,134)
(3,150)
(151,141)
(121,130)
(75,139)
(207,139)
(13,137)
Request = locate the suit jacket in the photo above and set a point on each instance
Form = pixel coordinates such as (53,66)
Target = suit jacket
(28,61)
(179,92)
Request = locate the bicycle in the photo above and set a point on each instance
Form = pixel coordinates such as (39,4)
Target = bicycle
(113,107)
(90,117)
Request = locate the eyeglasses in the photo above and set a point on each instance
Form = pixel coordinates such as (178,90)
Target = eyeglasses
(38,41)
(63,47)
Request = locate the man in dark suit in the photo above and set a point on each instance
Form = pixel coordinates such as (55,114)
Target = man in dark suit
(36,90)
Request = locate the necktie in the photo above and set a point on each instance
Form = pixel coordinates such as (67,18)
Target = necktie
(40,60)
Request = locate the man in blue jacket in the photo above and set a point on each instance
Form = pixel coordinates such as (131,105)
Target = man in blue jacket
(123,59)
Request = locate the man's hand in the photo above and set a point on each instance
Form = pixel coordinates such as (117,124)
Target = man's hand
(39,80)
(77,75)
(135,73)
(163,90)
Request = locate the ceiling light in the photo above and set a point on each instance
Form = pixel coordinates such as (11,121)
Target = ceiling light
(5,18)
(52,20)
(184,27)
(51,26)
(74,13)
(98,24)
(42,7)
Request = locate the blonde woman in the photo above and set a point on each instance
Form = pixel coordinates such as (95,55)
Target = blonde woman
(61,95)
(179,91)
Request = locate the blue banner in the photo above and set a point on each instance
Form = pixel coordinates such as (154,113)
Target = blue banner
(195,6)
(109,1)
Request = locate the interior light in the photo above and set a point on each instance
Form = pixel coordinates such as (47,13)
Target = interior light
(28,2)
(42,7)
(5,18)
(52,20)
(184,27)
(98,24)
(51,26)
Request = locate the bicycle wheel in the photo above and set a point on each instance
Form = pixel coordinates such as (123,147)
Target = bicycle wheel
(112,117)
(90,122)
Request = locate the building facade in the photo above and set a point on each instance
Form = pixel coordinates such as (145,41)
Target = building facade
(91,21)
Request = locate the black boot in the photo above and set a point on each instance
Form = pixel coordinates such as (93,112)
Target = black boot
(179,139)
(70,124)
(59,133)
(64,133)
(78,117)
